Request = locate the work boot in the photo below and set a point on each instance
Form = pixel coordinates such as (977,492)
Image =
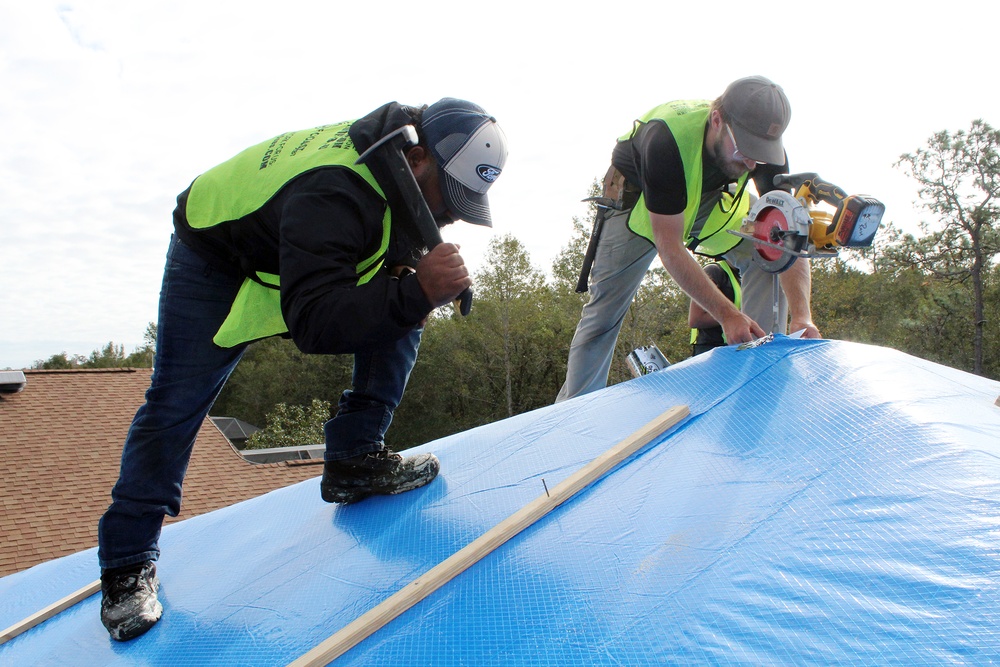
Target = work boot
(128,600)
(378,473)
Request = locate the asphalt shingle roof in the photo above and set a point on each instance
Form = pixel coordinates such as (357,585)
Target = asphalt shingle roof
(60,445)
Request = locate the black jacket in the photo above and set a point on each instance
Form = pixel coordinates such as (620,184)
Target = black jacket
(313,233)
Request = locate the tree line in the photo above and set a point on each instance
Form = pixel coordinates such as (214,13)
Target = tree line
(929,295)
(111,355)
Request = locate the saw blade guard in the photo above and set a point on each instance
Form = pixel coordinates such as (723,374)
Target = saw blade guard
(779,225)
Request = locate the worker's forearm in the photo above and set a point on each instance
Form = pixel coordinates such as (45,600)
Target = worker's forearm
(690,277)
(668,231)
(699,318)
(796,282)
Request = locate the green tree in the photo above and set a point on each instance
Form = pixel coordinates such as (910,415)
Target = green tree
(111,355)
(991,335)
(565,304)
(274,371)
(959,182)
(512,313)
(658,315)
(495,363)
(58,362)
(879,306)
(442,396)
(142,356)
(292,426)
(505,358)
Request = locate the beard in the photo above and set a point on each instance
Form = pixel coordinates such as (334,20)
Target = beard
(729,166)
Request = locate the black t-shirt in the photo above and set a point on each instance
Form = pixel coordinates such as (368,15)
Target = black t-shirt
(651,160)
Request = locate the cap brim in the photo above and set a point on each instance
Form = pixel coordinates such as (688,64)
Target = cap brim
(465,204)
(757,148)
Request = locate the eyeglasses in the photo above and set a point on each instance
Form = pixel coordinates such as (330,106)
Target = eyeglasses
(737,155)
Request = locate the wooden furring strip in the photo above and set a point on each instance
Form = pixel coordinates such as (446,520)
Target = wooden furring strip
(50,611)
(368,623)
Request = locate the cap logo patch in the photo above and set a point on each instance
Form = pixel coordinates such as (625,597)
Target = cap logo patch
(487,172)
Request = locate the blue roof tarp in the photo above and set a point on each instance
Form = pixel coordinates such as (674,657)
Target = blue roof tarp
(825,502)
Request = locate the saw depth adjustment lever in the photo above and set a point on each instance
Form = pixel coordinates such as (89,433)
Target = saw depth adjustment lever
(392,147)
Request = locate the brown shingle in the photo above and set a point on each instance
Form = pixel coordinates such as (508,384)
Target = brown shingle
(60,445)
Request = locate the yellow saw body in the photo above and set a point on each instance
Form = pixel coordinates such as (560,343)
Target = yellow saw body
(783,227)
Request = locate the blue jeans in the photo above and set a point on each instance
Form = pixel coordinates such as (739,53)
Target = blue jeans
(379,378)
(189,371)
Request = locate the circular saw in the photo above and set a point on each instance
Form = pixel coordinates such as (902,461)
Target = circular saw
(783,227)
(778,227)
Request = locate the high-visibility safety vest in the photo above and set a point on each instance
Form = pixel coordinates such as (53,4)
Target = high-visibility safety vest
(686,120)
(245,183)
(737,295)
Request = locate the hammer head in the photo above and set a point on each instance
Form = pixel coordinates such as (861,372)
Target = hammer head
(400,139)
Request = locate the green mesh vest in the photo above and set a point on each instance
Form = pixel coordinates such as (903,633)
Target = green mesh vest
(686,120)
(246,182)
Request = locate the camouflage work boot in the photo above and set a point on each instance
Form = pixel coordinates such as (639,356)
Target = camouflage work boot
(379,473)
(128,600)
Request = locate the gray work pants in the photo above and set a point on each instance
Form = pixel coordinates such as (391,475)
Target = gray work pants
(619,266)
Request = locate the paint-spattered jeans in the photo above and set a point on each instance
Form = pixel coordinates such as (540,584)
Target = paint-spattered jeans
(189,372)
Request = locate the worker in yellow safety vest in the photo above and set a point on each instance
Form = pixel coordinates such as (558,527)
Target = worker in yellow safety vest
(292,237)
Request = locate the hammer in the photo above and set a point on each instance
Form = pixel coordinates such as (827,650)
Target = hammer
(392,146)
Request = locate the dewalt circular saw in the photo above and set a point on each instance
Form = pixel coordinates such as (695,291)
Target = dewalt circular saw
(784,227)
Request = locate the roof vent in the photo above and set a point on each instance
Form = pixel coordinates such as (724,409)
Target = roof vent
(12,382)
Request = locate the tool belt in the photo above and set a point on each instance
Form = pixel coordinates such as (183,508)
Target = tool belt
(619,195)
(619,190)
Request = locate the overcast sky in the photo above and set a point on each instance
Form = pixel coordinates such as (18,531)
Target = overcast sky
(109,108)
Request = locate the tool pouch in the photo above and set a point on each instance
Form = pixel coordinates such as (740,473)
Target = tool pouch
(619,190)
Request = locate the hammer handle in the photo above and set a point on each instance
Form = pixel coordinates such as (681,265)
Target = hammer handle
(393,145)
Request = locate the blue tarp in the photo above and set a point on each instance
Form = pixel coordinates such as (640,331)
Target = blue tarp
(825,503)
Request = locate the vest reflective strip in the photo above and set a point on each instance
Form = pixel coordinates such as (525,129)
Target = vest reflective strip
(686,120)
(737,288)
(365,269)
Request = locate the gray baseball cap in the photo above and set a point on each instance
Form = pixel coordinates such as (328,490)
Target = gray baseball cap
(759,113)
(470,150)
